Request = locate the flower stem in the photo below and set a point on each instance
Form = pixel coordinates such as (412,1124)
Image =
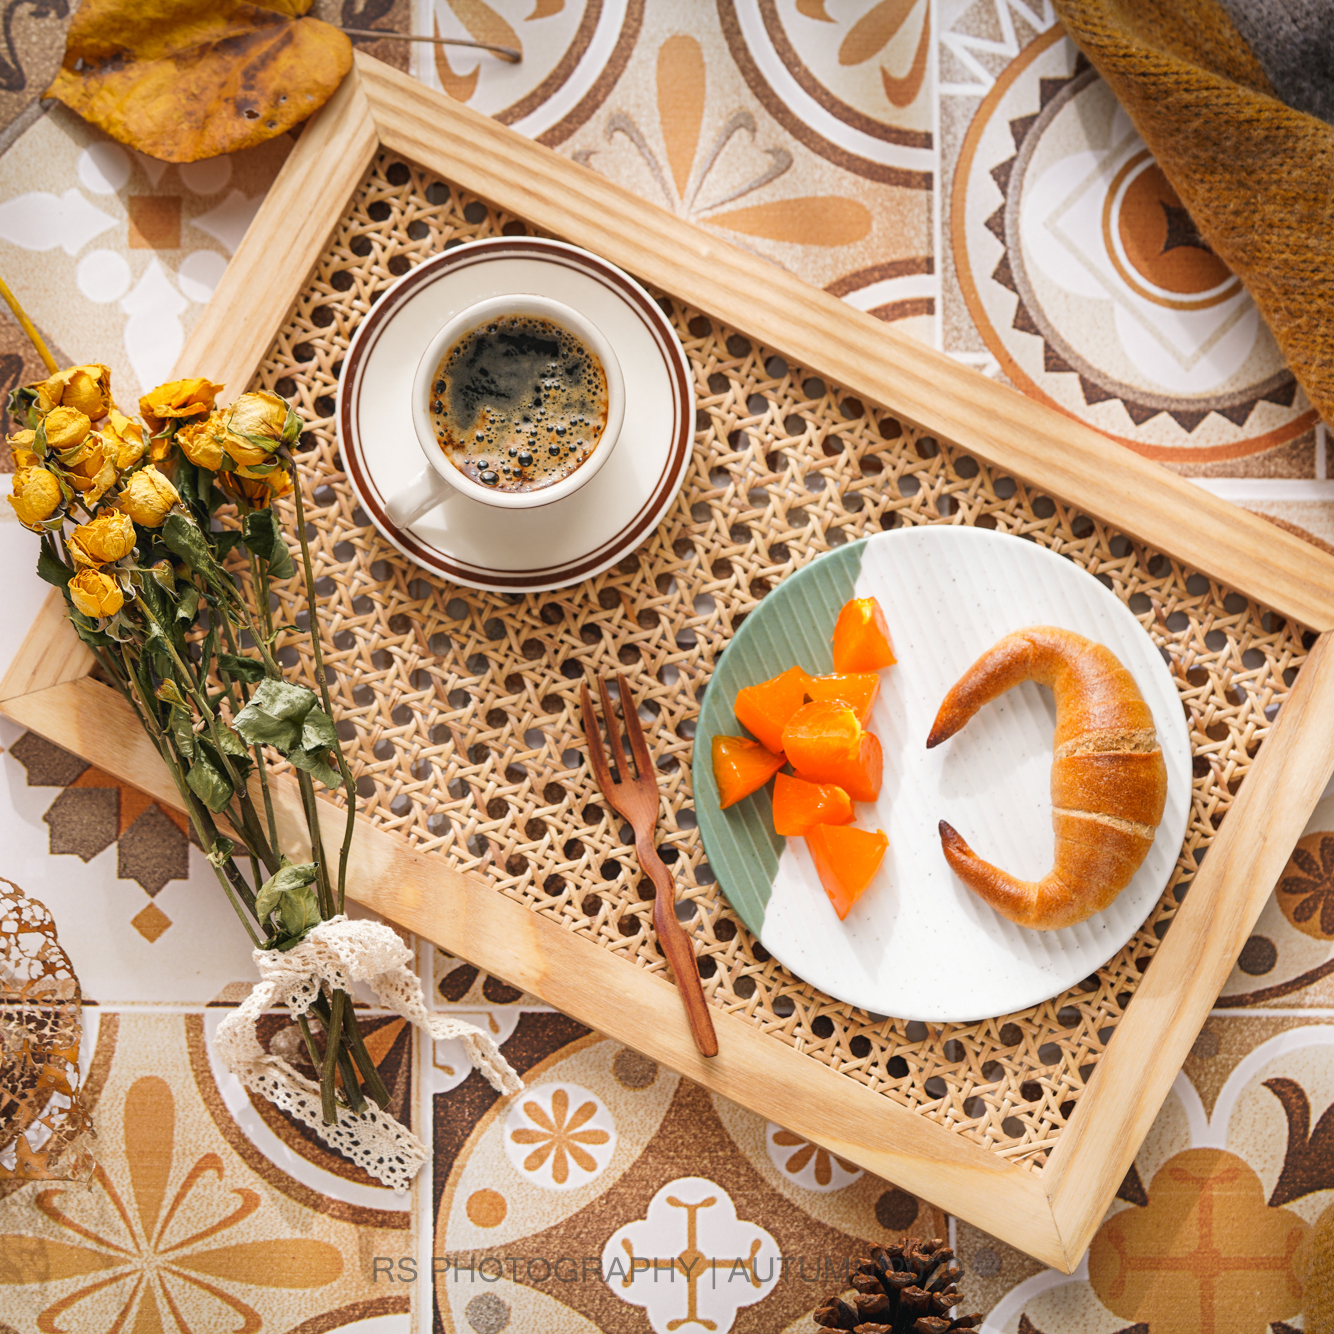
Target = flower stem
(312,811)
(349,787)
(304,1024)
(207,830)
(260,762)
(332,1036)
(370,1076)
(28,327)
(249,820)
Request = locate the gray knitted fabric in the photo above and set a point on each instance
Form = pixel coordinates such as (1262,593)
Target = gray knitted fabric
(1294,43)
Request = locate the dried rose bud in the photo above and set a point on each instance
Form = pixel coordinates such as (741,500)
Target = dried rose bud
(126,436)
(148,497)
(20,445)
(66,427)
(202,442)
(94,471)
(262,491)
(96,594)
(107,538)
(36,496)
(87,388)
(256,425)
(180,398)
(259,413)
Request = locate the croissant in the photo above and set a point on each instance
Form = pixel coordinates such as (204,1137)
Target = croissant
(1108,779)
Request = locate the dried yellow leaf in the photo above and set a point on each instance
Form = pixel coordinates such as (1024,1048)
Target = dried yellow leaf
(183,80)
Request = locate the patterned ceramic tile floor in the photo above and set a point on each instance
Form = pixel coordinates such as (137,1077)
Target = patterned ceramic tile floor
(879,169)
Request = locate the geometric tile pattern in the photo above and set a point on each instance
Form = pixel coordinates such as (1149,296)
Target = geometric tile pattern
(96,811)
(153,850)
(150,922)
(83,821)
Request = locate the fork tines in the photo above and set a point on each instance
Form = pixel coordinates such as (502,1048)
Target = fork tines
(597,755)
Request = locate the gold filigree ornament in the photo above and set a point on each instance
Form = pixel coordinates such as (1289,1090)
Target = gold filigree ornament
(44,1129)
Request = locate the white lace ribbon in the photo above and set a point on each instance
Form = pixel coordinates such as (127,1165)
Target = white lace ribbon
(335,954)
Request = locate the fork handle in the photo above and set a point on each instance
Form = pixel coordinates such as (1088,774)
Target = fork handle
(675,944)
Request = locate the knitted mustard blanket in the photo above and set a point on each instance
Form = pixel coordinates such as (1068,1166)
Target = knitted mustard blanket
(1234,99)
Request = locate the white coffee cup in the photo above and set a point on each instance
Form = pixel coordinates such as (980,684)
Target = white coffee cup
(441,478)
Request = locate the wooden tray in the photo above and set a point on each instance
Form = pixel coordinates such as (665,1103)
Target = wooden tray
(480,836)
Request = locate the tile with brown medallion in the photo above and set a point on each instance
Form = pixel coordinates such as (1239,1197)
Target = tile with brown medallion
(606,1153)
(1077,274)
(1288,961)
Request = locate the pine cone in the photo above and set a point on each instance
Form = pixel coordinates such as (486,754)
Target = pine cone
(907,1288)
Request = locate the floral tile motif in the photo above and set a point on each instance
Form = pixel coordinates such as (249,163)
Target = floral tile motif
(176,1231)
(1306,891)
(677,1176)
(560,1136)
(685,127)
(808,1165)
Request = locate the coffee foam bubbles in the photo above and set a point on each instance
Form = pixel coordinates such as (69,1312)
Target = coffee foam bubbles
(518,403)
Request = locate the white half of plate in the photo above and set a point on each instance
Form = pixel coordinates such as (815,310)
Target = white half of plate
(920,944)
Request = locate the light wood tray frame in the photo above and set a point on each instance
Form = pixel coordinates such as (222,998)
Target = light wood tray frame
(1053,1213)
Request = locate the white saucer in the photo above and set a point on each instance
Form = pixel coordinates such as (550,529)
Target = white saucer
(518,551)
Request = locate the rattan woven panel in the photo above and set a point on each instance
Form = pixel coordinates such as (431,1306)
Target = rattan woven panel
(461,708)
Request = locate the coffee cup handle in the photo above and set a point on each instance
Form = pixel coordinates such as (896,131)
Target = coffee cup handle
(424,492)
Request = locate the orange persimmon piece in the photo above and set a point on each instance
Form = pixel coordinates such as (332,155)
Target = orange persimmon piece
(799,806)
(826,743)
(741,766)
(856,688)
(861,638)
(763,710)
(847,860)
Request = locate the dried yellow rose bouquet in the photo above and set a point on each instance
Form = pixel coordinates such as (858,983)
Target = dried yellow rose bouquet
(162,536)
(126,513)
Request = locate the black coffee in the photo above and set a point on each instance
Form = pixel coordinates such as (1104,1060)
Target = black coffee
(518,403)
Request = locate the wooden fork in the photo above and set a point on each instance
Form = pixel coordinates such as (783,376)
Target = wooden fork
(636,800)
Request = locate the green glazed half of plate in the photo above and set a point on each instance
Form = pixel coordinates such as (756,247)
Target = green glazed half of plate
(741,844)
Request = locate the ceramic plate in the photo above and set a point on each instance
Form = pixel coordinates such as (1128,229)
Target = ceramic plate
(919,944)
(519,551)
